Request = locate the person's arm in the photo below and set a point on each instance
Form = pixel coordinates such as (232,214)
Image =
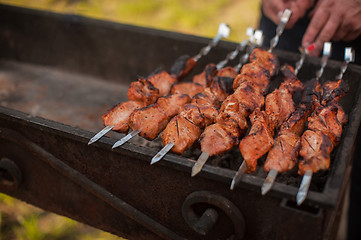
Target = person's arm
(333,20)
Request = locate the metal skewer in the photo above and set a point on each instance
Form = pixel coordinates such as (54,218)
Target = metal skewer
(126,138)
(241,47)
(272,175)
(274,41)
(305,185)
(258,40)
(349,57)
(223,32)
(100,134)
(230,56)
(279,30)
(307,177)
(268,182)
(326,54)
(197,167)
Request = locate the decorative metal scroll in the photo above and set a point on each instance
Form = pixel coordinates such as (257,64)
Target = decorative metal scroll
(202,224)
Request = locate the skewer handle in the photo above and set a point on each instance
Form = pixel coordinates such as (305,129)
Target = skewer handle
(239,175)
(232,55)
(279,30)
(200,163)
(327,47)
(349,57)
(223,32)
(304,52)
(305,185)
(162,153)
(100,134)
(255,41)
(300,62)
(268,183)
(126,138)
(241,47)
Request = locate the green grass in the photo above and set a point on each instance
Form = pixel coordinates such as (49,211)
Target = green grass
(197,17)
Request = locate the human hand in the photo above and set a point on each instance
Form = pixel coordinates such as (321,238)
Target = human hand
(333,20)
(299,9)
(273,9)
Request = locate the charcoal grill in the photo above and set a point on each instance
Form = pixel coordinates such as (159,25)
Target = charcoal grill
(60,73)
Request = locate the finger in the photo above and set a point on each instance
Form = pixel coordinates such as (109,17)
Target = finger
(295,15)
(314,28)
(302,6)
(351,36)
(341,33)
(273,9)
(349,29)
(317,6)
(326,33)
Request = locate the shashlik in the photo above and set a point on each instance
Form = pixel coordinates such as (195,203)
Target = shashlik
(142,93)
(283,154)
(278,107)
(199,113)
(180,68)
(149,125)
(152,119)
(251,84)
(324,129)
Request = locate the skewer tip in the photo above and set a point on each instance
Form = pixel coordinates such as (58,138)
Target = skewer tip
(100,134)
(155,159)
(268,183)
(126,138)
(162,153)
(300,198)
(303,190)
(199,163)
(118,143)
(232,184)
(195,171)
(238,176)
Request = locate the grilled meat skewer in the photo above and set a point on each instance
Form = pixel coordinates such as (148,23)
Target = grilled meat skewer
(274,41)
(324,125)
(214,92)
(187,88)
(151,120)
(332,92)
(180,68)
(278,107)
(200,112)
(323,134)
(252,84)
(283,155)
(284,152)
(204,106)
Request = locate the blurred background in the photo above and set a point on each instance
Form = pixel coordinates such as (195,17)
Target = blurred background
(19,220)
